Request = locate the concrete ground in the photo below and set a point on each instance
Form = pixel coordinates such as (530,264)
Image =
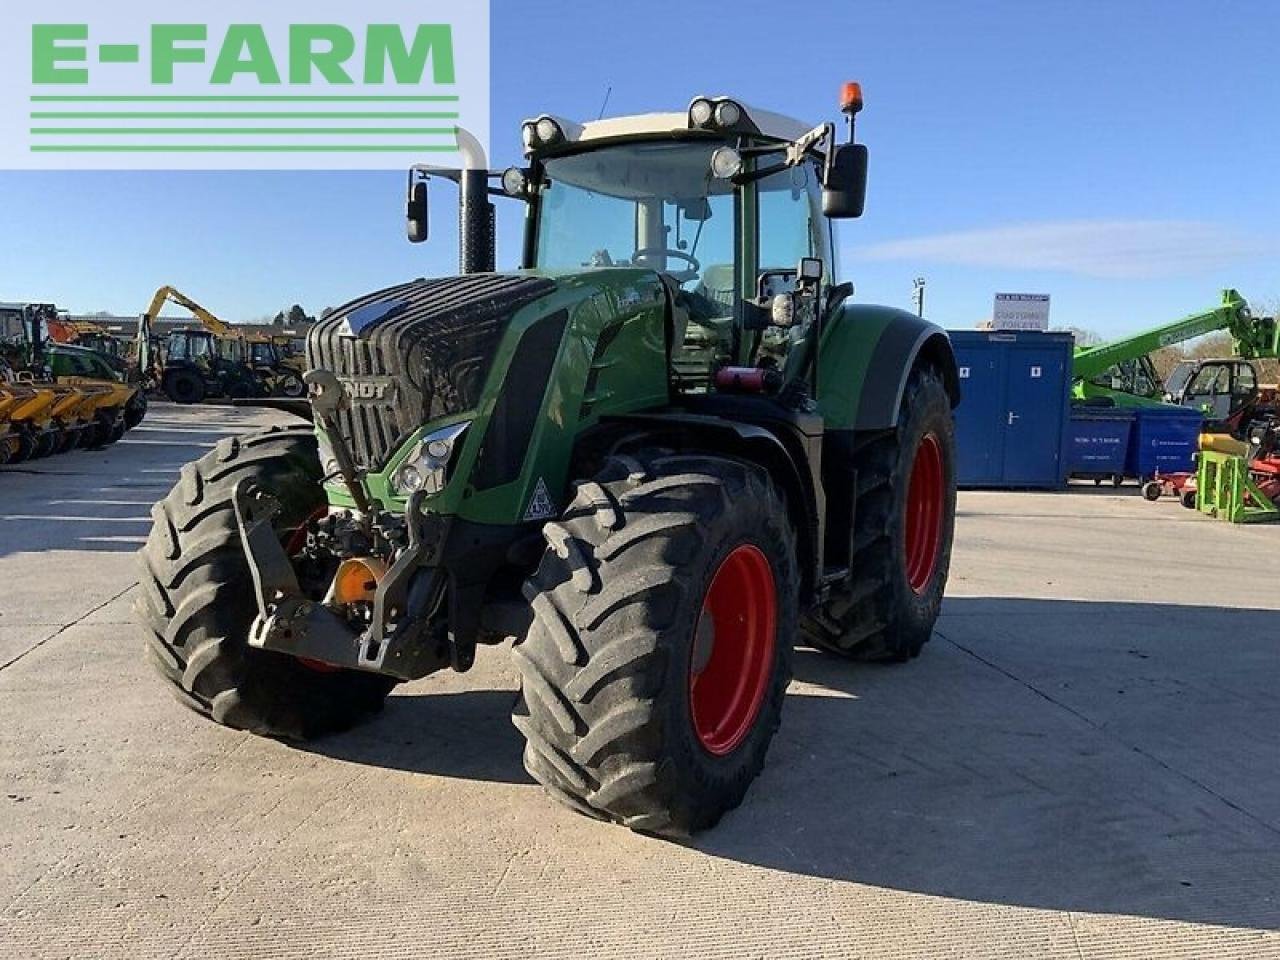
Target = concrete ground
(1083,763)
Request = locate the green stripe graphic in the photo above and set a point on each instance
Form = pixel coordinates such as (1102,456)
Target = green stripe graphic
(273,131)
(406,108)
(242,148)
(223,115)
(271,98)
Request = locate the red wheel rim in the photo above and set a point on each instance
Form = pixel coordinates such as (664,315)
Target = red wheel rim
(733,647)
(925,507)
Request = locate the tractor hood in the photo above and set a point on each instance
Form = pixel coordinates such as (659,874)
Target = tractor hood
(415,353)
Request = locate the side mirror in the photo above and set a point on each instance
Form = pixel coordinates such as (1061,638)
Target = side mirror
(698,209)
(844,192)
(416,210)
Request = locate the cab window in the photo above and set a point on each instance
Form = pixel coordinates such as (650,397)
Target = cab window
(790,227)
(1246,381)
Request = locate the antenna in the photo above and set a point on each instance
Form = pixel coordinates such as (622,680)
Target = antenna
(607,94)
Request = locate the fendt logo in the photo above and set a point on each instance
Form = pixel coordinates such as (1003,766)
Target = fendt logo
(365,391)
(243,84)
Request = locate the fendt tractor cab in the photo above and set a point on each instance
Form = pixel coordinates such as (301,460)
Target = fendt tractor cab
(662,452)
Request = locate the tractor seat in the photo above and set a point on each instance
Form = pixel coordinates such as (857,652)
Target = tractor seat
(716,283)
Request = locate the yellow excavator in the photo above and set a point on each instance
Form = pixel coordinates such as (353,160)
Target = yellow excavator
(215,360)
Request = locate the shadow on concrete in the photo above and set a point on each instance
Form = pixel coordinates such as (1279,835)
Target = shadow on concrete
(100,500)
(466,734)
(1093,757)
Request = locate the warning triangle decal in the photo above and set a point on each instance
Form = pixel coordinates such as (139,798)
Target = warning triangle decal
(540,505)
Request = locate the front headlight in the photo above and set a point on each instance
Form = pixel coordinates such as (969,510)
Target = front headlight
(428,467)
(726,162)
(700,112)
(548,130)
(728,113)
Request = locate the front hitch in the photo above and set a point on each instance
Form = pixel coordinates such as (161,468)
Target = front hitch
(290,622)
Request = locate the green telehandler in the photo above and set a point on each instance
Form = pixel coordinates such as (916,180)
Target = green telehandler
(1122,372)
(658,455)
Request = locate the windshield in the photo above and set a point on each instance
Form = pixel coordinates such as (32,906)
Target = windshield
(1178,377)
(187,346)
(656,205)
(651,205)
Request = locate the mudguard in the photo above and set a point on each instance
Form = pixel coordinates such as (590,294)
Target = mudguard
(868,352)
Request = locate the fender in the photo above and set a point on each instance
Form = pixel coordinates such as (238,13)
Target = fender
(791,458)
(868,353)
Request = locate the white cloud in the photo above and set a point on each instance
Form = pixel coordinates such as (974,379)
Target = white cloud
(1120,249)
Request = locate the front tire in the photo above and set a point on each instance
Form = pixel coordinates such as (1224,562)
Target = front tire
(198,600)
(22,445)
(904,522)
(664,613)
(136,409)
(291,385)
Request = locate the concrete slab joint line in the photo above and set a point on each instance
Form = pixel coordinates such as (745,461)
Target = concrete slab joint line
(67,626)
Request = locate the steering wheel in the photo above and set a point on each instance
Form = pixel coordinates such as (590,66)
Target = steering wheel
(683,276)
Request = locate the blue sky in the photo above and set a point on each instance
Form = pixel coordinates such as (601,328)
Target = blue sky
(1120,156)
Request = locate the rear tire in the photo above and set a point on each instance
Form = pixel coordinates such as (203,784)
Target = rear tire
(197,601)
(183,386)
(68,439)
(886,609)
(47,443)
(636,706)
(1152,490)
(102,431)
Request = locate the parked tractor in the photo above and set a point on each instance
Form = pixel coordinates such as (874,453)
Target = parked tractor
(661,453)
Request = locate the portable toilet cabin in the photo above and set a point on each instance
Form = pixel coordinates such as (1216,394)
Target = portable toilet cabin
(1011,424)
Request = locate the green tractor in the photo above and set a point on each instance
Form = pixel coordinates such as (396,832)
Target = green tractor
(659,455)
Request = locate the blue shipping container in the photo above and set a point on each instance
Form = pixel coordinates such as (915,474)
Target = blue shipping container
(1014,399)
(1165,439)
(1098,442)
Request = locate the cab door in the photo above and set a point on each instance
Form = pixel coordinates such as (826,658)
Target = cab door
(1210,391)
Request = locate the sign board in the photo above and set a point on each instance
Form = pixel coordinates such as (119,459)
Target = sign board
(243,84)
(1021,311)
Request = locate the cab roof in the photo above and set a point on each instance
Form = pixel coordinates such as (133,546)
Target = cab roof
(756,122)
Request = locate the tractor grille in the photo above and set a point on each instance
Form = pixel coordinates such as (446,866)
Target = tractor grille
(414,353)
